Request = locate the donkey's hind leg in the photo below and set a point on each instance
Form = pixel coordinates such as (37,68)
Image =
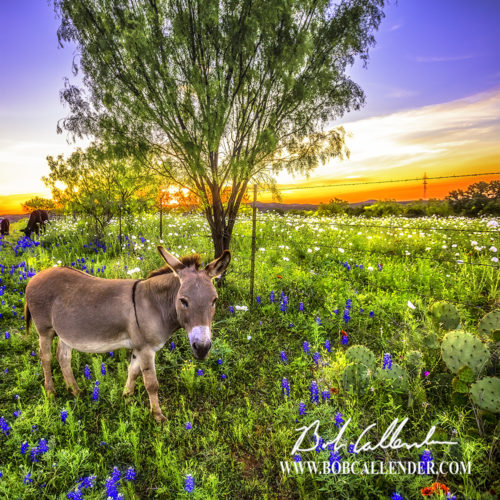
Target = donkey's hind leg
(134,369)
(46,357)
(64,358)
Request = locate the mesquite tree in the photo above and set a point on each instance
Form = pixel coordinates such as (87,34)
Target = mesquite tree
(215,93)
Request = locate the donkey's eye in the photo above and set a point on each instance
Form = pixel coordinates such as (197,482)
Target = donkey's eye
(184,302)
(214,301)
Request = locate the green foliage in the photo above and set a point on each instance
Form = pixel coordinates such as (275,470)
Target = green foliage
(333,207)
(37,203)
(383,208)
(460,349)
(360,354)
(218,92)
(479,198)
(446,315)
(486,394)
(396,377)
(490,325)
(414,360)
(356,378)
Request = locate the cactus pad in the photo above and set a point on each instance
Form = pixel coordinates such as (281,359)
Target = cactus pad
(360,354)
(446,315)
(461,349)
(414,359)
(486,394)
(356,377)
(396,376)
(490,325)
(431,340)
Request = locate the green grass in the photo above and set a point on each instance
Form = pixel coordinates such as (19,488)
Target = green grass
(242,426)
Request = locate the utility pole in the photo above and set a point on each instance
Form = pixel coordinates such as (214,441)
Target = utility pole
(254,234)
(425,186)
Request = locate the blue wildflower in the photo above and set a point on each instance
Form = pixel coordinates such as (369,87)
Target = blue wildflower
(426,461)
(297,458)
(17,413)
(346,316)
(258,299)
(334,460)
(345,338)
(111,354)
(387,361)
(172,346)
(103,368)
(314,392)
(339,421)
(372,314)
(231,309)
(27,479)
(305,347)
(302,409)
(285,388)
(316,357)
(271,297)
(130,474)
(219,361)
(95,392)
(327,345)
(325,395)
(283,357)
(301,306)
(223,376)
(111,490)
(351,449)
(318,320)
(319,444)
(4,426)
(396,496)
(199,373)
(86,483)
(86,372)
(188,425)
(189,483)
(64,416)
(24,447)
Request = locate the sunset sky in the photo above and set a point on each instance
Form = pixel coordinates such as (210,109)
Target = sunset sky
(432,104)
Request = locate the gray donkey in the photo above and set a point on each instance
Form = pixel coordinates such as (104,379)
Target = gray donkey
(92,314)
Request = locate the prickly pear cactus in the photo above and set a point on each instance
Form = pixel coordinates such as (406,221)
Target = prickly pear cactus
(490,325)
(486,394)
(446,315)
(464,377)
(461,349)
(396,376)
(431,340)
(356,377)
(360,354)
(414,359)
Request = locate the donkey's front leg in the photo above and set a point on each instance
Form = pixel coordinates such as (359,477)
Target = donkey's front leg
(134,369)
(147,362)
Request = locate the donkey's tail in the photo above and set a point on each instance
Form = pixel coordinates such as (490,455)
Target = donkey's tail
(27,316)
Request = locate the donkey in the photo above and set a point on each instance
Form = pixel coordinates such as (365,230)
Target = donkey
(93,314)
(4,227)
(38,219)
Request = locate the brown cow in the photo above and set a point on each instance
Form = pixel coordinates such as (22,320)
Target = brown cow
(38,219)
(4,227)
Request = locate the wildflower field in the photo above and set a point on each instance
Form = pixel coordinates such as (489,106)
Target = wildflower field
(354,322)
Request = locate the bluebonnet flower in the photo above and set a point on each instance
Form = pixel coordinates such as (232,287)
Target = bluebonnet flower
(396,496)
(336,312)
(4,426)
(314,392)
(283,357)
(285,388)
(325,395)
(95,392)
(103,368)
(297,458)
(189,483)
(305,347)
(17,413)
(380,267)
(425,459)
(334,460)
(172,346)
(351,449)
(111,354)
(387,362)
(301,306)
(7,335)
(199,373)
(130,474)
(75,495)
(339,421)
(319,444)
(327,345)
(231,309)
(345,338)
(271,297)
(188,425)
(283,307)
(115,474)
(372,314)
(316,357)
(346,316)
(24,447)
(302,409)
(27,478)
(318,320)
(86,483)
(348,303)
(111,490)
(258,299)
(223,376)
(34,428)
(64,415)
(219,361)
(86,372)
(1,474)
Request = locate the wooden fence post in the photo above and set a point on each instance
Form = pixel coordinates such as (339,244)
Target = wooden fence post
(254,231)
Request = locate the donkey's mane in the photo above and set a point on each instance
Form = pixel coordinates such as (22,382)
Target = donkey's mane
(193,260)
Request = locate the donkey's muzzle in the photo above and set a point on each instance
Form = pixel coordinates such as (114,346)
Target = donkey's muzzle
(201,349)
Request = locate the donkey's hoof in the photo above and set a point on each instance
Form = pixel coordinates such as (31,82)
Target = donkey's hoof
(76,391)
(160,418)
(51,393)
(127,393)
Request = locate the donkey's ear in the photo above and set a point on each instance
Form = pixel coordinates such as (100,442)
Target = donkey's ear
(172,261)
(218,266)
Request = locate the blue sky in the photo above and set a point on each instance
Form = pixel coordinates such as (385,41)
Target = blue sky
(428,53)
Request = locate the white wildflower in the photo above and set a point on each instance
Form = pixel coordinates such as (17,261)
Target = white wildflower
(410,305)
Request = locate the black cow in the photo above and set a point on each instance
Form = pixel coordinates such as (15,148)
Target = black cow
(38,219)
(4,227)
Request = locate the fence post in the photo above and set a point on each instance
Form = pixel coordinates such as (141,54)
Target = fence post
(254,231)
(161,220)
(120,221)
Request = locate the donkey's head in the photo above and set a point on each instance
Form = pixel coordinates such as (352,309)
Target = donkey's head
(196,297)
